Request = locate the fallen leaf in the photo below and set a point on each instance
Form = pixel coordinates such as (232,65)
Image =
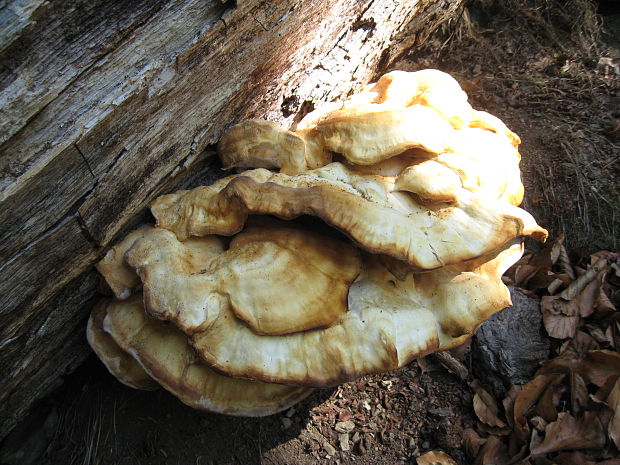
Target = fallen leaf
(603,392)
(542,279)
(602,364)
(548,403)
(568,432)
(472,442)
(539,423)
(578,345)
(509,402)
(595,367)
(486,409)
(519,456)
(578,394)
(578,286)
(599,334)
(534,270)
(536,439)
(560,317)
(573,458)
(493,452)
(604,303)
(523,273)
(531,392)
(613,401)
(435,457)
(494,430)
(515,445)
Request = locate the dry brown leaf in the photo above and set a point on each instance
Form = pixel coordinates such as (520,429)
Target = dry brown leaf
(560,326)
(539,423)
(578,286)
(519,456)
(604,303)
(578,346)
(589,296)
(531,392)
(493,430)
(603,337)
(580,299)
(536,439)
(578,394)
(569,432)
(493,452)
(513,273)
(612,257)
(613,401)
(515,445)
(509,403)
(602,363)
(573,458)
(603,392)
(472,442)
(486,409)
(542,279)
(523,273)
(614,332)
(556,305)
(595,367)
(534,270)
(435,457)
(548,403)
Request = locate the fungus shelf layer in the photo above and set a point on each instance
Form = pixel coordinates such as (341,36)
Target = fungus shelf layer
(421,193)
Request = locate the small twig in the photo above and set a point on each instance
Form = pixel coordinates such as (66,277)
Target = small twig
(452,364)
(565,263)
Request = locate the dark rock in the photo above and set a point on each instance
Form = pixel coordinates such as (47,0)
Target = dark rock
(508,347)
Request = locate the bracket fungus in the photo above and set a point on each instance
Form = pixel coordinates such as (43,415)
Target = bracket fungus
(413,225)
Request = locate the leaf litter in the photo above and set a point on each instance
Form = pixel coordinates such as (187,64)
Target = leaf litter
(570,411)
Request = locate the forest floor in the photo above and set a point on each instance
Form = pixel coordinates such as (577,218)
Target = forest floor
(552,75)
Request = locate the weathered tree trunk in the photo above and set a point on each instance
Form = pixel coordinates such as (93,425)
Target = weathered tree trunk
(105,105)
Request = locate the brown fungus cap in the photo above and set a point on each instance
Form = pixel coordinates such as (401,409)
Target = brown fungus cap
(431,88)
(367,208)
(276,280)
(262,144)
(119,276)
(388,323)
(118,362)
(401,111)
(164,353)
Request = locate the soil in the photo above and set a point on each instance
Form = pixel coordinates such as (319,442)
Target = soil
(552,76)
(396,416)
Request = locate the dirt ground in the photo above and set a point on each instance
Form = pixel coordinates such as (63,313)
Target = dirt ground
(552,75)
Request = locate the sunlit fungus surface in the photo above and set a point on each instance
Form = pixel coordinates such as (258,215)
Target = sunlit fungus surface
(236,302)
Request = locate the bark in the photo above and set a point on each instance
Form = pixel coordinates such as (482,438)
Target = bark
(106,105)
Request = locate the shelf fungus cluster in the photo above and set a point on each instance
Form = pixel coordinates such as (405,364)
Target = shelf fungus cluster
(374,233)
